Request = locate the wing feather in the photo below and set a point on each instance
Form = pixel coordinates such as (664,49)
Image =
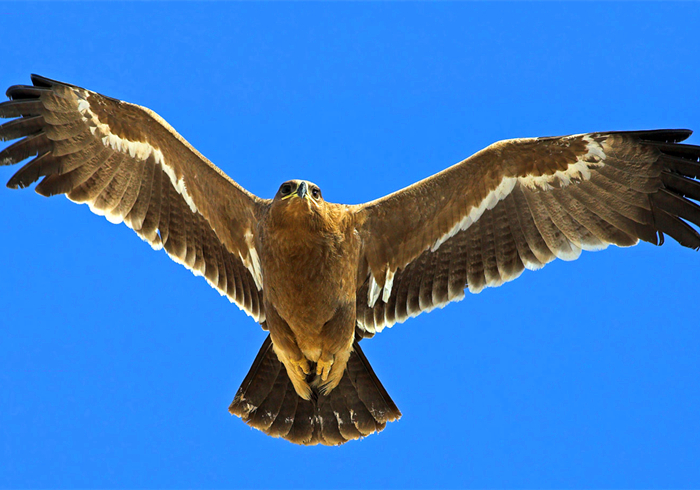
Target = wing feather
(476,269)
(139,210)
(457,270)
(520,204)
(17,128)
(129,165)
(509,263)
(517,229)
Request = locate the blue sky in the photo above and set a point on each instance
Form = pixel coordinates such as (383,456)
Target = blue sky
(117,365)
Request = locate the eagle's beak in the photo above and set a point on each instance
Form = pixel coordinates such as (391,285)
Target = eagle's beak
(302,190)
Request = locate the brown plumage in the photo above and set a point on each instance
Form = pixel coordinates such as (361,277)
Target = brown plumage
(322,276)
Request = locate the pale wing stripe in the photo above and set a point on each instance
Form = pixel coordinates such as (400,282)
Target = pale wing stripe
(620,198)
(188,252)
(142,151)
(575,173)
(136,149)
(373,292)
(489,273)
(126,181)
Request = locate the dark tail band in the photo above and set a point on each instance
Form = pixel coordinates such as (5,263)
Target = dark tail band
(358,407)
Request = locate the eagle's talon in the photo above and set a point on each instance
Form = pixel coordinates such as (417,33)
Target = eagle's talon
(323,368)
(303,366)
(297,371)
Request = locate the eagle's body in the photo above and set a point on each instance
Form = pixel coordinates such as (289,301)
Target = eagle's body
(310,252)
(322,276)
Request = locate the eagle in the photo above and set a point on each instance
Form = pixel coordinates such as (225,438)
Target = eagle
(321,276)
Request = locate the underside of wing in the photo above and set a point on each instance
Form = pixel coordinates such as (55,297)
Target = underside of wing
(130,166)
(621,187)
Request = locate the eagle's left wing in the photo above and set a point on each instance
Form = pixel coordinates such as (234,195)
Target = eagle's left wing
(129,165)
(520,204)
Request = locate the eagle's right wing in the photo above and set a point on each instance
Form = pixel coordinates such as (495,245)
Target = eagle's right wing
(520,204)
(129,165)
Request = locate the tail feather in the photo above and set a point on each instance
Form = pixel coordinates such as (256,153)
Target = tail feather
(369,389)
(283,421)
(271,406)
(360,416)
(346,427)
(358,407)
(328,428)
(302,430)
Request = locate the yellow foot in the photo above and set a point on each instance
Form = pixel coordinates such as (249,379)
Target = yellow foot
(323,368)
(302,365)
(297,371)
(332,371)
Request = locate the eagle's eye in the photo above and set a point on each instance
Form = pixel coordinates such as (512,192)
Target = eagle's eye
(285,189)
(315,192)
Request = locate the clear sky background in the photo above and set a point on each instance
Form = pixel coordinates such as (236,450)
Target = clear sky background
(117,365)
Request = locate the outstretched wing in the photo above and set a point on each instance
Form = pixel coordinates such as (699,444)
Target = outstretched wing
(519,204)
(129,165)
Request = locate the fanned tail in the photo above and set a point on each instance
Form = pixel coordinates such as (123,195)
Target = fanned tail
(357,407)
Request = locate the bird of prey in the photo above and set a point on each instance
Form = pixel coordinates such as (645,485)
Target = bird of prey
(321,276)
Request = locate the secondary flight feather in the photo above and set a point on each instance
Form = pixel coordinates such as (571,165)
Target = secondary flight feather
(322,276)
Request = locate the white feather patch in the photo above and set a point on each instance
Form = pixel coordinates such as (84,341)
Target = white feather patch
(576,172)
(135,149)
(253,262)
(388,283)
(494,197)
(373,291)
(143,151)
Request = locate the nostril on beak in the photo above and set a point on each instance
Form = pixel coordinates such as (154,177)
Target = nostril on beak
(302,190)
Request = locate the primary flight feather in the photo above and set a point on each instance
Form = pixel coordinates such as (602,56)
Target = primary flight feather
(322,276)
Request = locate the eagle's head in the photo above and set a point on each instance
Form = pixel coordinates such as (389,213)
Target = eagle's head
(300,201)
(302,190)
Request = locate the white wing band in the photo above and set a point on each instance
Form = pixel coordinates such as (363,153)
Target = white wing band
(135,149)
(576,172)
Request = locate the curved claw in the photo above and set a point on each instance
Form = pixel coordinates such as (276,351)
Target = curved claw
(323,368)
(303,366)
(332,370)
(297,371)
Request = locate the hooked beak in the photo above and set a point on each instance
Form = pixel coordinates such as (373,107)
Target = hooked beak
(302,192)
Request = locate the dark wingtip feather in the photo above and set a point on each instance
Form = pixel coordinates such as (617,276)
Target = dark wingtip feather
(678,229)
(35,144)
(665,135)
(40,81)
(681,185)
(42,165)
(17,108)
(652,135)
(44,82)
(23,126)
(688,152)
(655,135)
(676,205)
(16,92)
